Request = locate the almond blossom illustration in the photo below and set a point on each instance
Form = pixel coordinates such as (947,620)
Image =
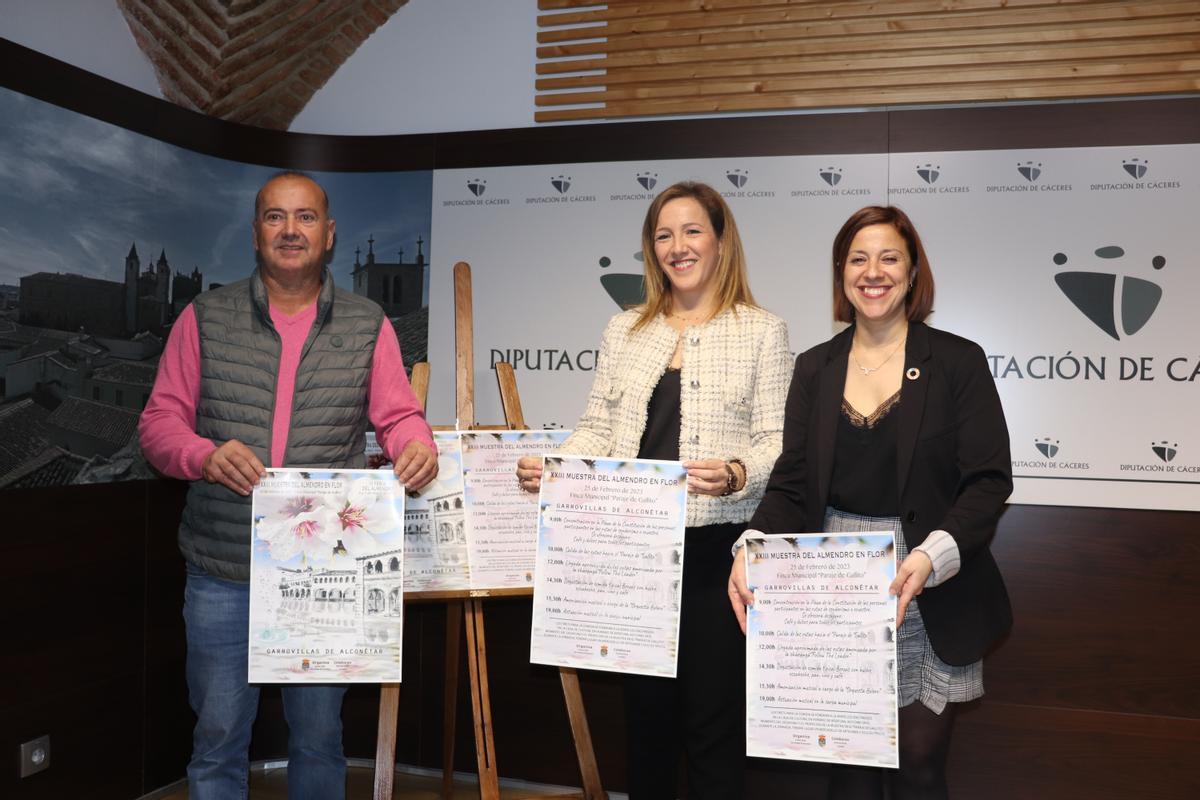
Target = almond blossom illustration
(298,505)
(357,526)
(303,526)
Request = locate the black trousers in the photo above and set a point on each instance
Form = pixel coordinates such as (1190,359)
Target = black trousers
(701,713)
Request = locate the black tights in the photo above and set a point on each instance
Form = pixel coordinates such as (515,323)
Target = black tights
(924,745)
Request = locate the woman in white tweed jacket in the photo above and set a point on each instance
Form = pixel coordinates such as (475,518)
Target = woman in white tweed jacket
(732,392)
(698,373)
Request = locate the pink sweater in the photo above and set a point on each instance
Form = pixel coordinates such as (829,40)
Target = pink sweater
(168,424)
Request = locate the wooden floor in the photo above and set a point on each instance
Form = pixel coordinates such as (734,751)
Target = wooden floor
(271,784)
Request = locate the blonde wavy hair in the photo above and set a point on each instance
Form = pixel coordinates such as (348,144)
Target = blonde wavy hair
(733,285)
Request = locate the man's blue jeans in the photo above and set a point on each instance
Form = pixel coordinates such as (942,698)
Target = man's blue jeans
(217,616)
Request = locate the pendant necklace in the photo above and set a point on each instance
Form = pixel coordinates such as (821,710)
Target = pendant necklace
(869,370)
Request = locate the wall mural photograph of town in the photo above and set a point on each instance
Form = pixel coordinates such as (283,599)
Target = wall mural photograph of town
(107,235)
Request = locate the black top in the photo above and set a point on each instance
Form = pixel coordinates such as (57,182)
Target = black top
(661,438)
(864,461)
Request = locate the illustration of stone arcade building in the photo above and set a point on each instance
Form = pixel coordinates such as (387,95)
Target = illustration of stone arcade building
(448,526)
(418,540)
(322,585)
(380,576)
(383,584)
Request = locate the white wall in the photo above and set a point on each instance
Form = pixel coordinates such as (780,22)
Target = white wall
(89,34)
(436,65)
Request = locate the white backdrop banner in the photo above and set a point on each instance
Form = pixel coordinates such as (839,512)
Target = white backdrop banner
(1072,268)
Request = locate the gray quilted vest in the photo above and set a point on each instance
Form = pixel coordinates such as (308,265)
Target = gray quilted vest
(239,356)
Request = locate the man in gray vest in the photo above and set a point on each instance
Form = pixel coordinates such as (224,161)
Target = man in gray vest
(284,369)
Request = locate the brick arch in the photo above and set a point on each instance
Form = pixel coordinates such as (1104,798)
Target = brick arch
(257,62)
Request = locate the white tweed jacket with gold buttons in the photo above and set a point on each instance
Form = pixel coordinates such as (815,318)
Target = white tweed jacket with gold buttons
(733,386)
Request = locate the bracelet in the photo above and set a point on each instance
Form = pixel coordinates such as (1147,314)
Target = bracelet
(745,474)
(731,482)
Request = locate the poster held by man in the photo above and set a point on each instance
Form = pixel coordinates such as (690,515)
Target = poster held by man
(326,577)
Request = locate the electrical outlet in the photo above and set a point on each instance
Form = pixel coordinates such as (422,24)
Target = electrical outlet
(35,756)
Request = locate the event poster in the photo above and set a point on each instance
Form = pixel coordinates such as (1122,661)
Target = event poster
(502,519)
(609,564)
(326,577)
(436,557)
(821,648)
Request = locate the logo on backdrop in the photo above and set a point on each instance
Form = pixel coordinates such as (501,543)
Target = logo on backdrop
(930,174)
(739,178)
(1096,293)
(1139,170)
(647,180)
(1049,448)
(1119,305)
(1136,168)
(831,176)
(562,185)
(477,187)
(1166,451)
(1030,171)
(626,289)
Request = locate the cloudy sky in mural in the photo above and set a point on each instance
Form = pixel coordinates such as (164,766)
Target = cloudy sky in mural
(77,193)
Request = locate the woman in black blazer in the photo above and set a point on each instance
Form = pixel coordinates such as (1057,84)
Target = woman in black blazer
(892,425)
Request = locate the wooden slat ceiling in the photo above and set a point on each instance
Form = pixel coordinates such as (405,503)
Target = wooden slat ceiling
(648,57)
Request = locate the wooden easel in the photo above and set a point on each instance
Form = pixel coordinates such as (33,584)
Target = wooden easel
(468,606)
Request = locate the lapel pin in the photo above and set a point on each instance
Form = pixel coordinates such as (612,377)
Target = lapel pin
(912,373)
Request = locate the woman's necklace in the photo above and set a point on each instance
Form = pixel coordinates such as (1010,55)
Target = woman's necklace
(869,370)
(690,319)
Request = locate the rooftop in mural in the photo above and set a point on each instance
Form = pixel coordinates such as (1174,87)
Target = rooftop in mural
(52,467)
(99,420)
(133,372)
(22,433)
(413,332)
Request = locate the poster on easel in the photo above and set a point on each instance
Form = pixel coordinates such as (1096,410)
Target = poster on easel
(473,528)
(326,577)
(608,582)
(435,535)
(501,518)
